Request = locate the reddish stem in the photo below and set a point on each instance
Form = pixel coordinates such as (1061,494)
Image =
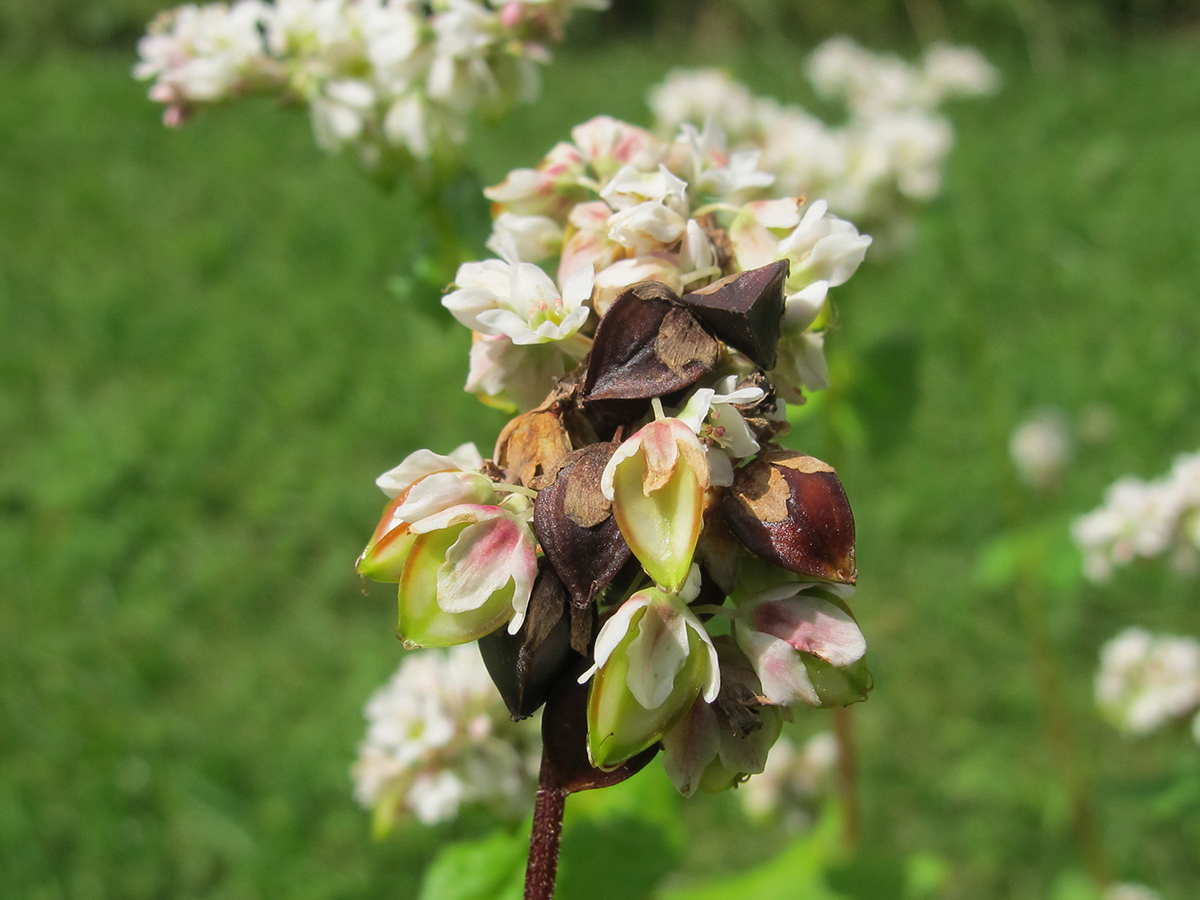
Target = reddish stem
(546,836)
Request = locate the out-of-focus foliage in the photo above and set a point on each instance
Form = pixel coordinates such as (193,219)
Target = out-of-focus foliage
(31,25)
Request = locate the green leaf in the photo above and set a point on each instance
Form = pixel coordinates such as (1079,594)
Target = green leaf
(492,868)
(799,871)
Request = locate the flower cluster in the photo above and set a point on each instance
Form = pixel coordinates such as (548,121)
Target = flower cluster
(640,555)
(1145,681)
(1144,518)
(885,158)
(388,81)
(438,737)
(617,205)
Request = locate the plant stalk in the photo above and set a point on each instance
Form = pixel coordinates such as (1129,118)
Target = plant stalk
(546,836)
(847,776)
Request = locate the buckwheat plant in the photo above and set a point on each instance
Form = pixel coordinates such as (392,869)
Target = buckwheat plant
(639,559)
(390,83)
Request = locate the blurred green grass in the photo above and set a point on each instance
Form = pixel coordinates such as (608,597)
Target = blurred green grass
(202,368)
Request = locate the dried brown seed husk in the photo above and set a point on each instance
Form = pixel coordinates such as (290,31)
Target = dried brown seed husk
(530,444)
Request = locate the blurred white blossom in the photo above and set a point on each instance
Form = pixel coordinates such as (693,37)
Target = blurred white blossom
(1146,680)
(1143,518)
(887,156)
(1127,891)
(1039,448)
(793,781)
(439,737)
(390,82)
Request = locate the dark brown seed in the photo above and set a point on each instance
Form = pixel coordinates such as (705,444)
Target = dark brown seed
(745,310)
(525,665)
(574,525)
(792,511)
(647,346)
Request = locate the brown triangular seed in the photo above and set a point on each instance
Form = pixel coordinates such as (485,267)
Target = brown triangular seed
(745,310)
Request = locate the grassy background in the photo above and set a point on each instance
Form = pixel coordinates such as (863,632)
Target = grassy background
(202,368)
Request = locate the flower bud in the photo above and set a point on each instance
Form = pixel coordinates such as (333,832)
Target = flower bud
(653,658)
(656,482)
(470,570)
(386,552)
(804,646)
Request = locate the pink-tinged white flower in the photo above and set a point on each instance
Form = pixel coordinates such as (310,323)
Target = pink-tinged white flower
(512,376)
(529,239)
(653,658)
(470,570)
(203,54)
(518,300)
(819,246)
(804,648)
(438,738)
(607,144)
(586,241)
(424,484)
(550,189)
(656,482)
(1146,680)
(415,466)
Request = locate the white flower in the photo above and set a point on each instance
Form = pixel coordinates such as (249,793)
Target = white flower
(647,227)
(630,188)
(1039,448)
(518,300)
(530,239)
(613,280)
(718,408)
(1146,680)
(512,376)
(422,463)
